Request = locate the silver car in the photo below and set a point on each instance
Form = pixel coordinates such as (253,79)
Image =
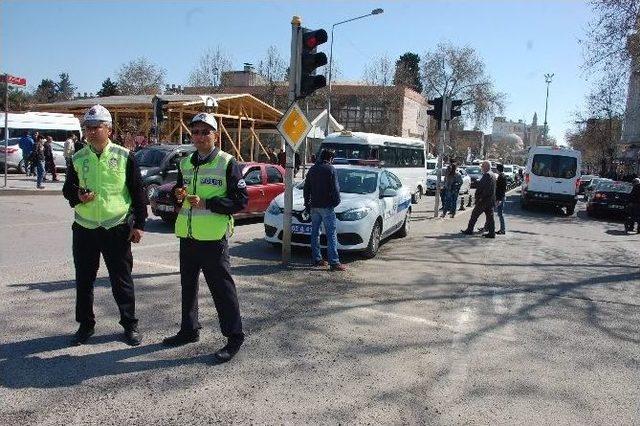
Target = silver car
(13,155)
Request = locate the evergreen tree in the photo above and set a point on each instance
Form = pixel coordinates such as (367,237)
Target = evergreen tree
(408,72)
(64,88)
(109,88)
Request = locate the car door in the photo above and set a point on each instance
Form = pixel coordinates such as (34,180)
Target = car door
(253,177)
(386,204)
(398,201)
(274,184)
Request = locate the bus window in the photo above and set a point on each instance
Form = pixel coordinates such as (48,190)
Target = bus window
(374,154)
(389,156)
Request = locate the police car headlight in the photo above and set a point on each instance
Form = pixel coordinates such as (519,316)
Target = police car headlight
(274,209)
(353,214)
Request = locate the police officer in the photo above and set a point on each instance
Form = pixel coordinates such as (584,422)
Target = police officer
(210,188)
(105,189)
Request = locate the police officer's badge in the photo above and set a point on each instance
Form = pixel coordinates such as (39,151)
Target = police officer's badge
(113,162)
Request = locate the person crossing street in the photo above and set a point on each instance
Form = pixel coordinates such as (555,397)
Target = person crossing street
(104,187)
(211,188)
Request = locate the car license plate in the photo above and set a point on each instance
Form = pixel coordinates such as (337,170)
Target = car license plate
(300,229)
(616,206)
(164,208)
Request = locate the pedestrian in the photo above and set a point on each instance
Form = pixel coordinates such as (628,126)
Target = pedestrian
(452,185)
(210,188)
(37,160)
(105,189)
(34,165)
(69,149)
(321,196)
(485,201)
(282,158)
(80,143)
(501,191)
(49,162)
(296,163)
(26,144)
(634,205)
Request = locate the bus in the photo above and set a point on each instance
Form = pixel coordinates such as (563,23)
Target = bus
(58,126)
(404,157)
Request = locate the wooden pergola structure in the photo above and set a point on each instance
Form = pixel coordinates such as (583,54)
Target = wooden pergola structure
(241,117)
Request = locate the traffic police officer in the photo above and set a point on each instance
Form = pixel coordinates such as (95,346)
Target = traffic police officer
(211,188)
(105,189)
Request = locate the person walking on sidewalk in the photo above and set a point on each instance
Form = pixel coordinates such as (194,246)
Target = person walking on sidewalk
(49,162)
(485,201)
(321,196)
(452,185)
(69,149)
(26,144)
(211,189)
(37,159)
(104,187)
(501,191)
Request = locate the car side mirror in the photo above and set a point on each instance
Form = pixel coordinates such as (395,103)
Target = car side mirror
(389,193)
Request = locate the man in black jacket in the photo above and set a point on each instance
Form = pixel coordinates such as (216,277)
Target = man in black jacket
(485,201)
(501,190)
(634,205)
(321,196)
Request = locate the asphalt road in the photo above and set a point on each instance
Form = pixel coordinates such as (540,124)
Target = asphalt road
(536,327)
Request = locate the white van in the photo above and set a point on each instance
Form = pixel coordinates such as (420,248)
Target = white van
(552,176)
(59,126)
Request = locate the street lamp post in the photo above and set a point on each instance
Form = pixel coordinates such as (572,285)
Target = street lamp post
(547,79)
(373,12)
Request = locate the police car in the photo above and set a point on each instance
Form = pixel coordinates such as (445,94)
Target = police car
(374,205)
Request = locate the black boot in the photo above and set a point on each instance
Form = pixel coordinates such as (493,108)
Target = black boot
(229,350)
(82,335)
(182,338)
(132,336)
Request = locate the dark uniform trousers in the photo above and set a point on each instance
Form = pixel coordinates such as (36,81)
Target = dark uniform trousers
(115,247)
(212,257)
(487,209)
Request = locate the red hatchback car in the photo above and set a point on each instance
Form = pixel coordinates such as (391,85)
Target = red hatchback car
(264,183)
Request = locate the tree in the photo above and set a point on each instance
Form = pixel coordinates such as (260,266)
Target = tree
(605,44)
(274,70)
(459,73)
(19,100)
(46,92)
(64,88)
(140,77)
(109,88)
(208,71)
(408,72)
(378,72)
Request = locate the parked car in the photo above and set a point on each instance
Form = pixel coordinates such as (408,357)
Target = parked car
(510,173)
(374,205)
(159,164)
(609,198)
(264,183)
(585,180)
(12,156)
(590,188)
(552,178)
(475,174)
(432,179)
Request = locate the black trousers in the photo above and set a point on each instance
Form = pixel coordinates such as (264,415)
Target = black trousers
(212,257)
(478,209)
(115,247)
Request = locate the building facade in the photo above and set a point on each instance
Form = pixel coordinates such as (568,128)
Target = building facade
(531,134)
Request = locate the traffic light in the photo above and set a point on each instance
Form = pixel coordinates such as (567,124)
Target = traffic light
(310,60)
(436,112)
(456,108)
(158,108)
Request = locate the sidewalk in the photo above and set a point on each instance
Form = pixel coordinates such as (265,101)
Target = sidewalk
(19,184)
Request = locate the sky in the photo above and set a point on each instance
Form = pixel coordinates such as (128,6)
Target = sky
(519,41)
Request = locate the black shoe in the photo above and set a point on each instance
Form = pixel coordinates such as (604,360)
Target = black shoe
(489,235)
(501,232)
(82,335)
(466,232)
(132,336)
(229,350)
(182,338)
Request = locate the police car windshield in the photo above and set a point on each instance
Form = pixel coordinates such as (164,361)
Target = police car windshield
(149,157)
(357,181)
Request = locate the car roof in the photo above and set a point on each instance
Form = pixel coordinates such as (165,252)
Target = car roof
(362,168)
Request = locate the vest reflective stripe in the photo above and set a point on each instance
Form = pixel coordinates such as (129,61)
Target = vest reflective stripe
(106,177)
(209,180)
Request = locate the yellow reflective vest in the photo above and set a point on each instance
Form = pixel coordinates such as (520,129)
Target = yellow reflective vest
(106,177)
(208,180)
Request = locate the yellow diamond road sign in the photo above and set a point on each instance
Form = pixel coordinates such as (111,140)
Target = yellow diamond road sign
(294,126)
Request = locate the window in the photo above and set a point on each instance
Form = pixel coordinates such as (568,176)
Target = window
(274,175)
(343,150)
(253,176)
(556,166)
(384,182)
(395,182)
(373,115)
(350,116)
(389,156)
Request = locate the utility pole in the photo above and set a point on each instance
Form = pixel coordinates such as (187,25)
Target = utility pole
(294,78)
(547,79)
(6,126)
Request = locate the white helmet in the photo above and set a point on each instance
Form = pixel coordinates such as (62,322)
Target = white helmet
(205,118)
(97,114)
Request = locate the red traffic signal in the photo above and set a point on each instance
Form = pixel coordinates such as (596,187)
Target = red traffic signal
(312,39)
(310,60)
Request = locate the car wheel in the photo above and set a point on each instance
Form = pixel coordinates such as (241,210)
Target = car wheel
(151,188)
(571,209)
(374,241)
(404,231)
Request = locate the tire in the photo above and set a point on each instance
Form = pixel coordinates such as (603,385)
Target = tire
(571,209)
(404,231)
(415,198)
(374,241)
(150,189)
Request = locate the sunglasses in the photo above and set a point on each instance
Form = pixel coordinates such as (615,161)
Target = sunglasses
(201,132)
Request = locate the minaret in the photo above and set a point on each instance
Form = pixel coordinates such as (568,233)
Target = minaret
(631,128)
(533,138)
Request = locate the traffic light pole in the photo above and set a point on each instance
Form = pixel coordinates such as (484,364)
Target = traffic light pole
(294,76)
(444,127)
